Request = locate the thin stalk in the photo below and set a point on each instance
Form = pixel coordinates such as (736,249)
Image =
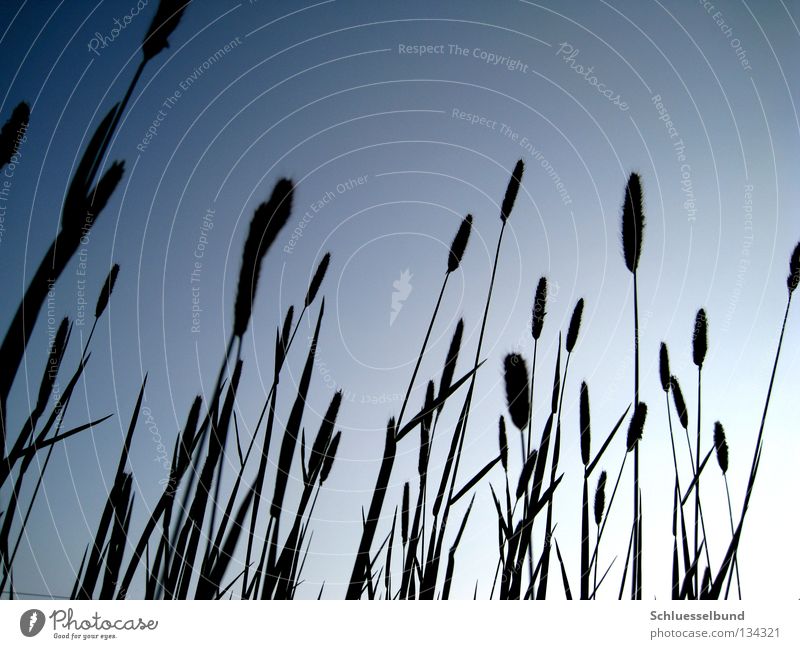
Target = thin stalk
(697,477)
(270,402)
(527,452)
(543,578)
(422,351)
(702,517)
(596,551)
(733,549)
(735,562)
(636,583)
(608,508)
(530,418)
(463,421)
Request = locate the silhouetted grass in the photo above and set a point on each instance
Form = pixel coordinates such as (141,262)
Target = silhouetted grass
(633,221)
(13,133)
(699,349)
(188,545)
(87,196)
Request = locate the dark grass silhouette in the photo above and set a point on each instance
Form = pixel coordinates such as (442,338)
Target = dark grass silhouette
(558,399)
(721,446)
(599,510)
(13,133)
(586,445)
(202,538)
(633,221)
(86,198)
(699,350)
(517,388)
(539,310)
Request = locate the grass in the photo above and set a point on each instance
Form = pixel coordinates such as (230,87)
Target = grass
(211,534)
(633,221)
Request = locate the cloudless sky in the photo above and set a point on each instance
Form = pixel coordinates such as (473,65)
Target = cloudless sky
(395,120)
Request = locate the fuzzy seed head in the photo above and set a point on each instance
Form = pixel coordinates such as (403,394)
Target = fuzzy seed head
(166,20)
(321,443)
(574,325)
(794,270)
(282,339)
(459,244)
(330,456)
(517,389)
(636,428)
(632,222)
(316,281)
(512,190)
(106,291)
(700,338)
(13,133)
(539,308)
(663,367)
(586,435)
(450,361)
(600,498)
(268,220)
(680,402)
(721,444)
(323,439)
(329,421)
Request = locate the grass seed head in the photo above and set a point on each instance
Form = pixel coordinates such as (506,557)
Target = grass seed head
(632,222)
(323,439)
(168,16)
(13,133)
(316,281)
(600,498)
(539,308)
(586,435)
(450,361)
(794,270)
(721,444)
(106,291)
(330,456)
(680,402)
(636,428)
(459,244)
(267,222)
(517,389)
(700,338)
(512,190)
(663,367)
(574,325)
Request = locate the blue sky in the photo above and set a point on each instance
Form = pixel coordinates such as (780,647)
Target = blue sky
(395,121)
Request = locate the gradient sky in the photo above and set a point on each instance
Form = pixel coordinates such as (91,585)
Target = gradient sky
(327,93)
